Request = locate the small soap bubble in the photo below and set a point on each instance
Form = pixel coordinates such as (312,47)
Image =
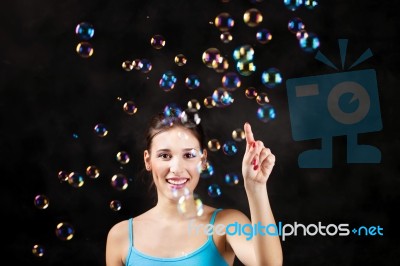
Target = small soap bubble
(84,31)
(226,37)
(229,148)
(244,53)
(63,176)
(127,65)
(209,102)
(238,134)
(130,107)
(210,55)
(309,43)
(262,98)
(231,179)
(192,82)
(119,182)
(92,171)
(206,170)
(145,65)
(214,191)
(231,81)
(252,17)
(301,34)
(136,64)
(194,104)
(221,65)
(84,49)
(190,206)
(266,113)
(65,231)
(75,136)
(157,41)
(222,97)
(38,250)
(180,60)
(310,4)
(271,77)
(178,193)
(76,179)
(292,5)
(115,205)
(214,145)
(295,24)
(224,21)
(190,117)
(251,92)
(122,157)
(41,202)
(168,81)
(100,130)
(263,36)
(245,68)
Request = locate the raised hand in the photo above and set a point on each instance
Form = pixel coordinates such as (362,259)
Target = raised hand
(258,161)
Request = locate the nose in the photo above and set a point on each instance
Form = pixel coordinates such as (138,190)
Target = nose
(176,166)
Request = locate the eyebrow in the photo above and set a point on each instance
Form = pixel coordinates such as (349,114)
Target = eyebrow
(186,149)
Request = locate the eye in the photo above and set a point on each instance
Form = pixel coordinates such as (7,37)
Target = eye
(189,155)
(164,156)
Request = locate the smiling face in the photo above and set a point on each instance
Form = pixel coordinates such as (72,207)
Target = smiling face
(174,158)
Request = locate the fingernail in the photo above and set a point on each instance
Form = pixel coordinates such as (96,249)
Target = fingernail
(255,167)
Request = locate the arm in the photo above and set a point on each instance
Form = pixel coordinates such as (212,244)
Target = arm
(257,165)
(116,244)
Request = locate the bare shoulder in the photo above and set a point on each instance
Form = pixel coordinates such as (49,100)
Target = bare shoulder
(227,216)
(119,230)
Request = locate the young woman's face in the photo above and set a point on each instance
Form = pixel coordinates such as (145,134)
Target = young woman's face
(175,159)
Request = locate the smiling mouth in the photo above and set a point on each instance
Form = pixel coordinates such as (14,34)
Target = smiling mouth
(177,181)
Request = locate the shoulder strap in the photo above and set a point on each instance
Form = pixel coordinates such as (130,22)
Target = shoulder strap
(212,220)
(130,224)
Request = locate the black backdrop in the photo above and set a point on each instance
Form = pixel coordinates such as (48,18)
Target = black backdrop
(49,93)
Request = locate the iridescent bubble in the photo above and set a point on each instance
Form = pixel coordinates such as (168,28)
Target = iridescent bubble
(271,77)
(194,104)
(100,130)
(205,171)
(310,4)
(295,24)
(245,68)
(84,31)
(222,97)
(224,21)
(238,134)
(243,53)
(266,113)
(172,110)
(84,49)
(292,5)
(92,171)
(210,55)
(119,182)
(263,36)
(251,92)
(136,64)
(168,81)
(115,205)
(65,231)
(180,60)
(252,17)
(192,82)
(262,98)
(214,145)
(122,157)
(209,102)
(231,179)
(38,250)
(145,65)
(178,193)
(76,179)
(229,148)
(190,206)
(301,34)
(214,191)
(157,41)
(309,43)
(41,202)
(231,81)
(221,65)
(130,107)
(190,117)
(226,37)
(75,136)
(63,176)
(127,65)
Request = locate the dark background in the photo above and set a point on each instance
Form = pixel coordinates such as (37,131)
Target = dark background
(48,93)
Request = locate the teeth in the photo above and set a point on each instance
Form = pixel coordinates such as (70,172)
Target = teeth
(177,182)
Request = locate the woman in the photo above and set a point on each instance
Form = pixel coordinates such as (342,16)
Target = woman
(160,236)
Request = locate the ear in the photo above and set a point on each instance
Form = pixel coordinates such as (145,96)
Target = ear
(146,157)
(204,159)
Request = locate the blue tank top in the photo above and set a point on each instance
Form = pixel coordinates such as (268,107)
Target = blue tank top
(206,255)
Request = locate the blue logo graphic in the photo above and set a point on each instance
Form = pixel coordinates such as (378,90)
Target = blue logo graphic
(344,103)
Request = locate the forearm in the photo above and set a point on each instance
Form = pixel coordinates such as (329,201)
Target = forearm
(267,247)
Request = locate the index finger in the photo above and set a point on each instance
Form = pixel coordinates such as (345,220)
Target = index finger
(248,133)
